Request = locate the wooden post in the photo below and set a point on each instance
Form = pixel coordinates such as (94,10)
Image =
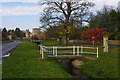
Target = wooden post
(77,50)
(56,51)
(97,52)
(53,50)
(73,50)
(81,49)
(105,44)
(42,54)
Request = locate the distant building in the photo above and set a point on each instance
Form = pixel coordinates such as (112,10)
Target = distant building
(27,34)
(40,37)
(10,37)
(36,31)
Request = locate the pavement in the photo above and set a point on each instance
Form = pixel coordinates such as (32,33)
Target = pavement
(6,48)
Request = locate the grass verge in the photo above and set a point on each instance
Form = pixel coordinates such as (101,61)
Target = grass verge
(22,40)
(26,62)
(7,41)
(50,43)
(105,67)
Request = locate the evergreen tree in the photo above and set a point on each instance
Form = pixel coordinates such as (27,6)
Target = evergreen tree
(107,18)
(17,33)
(113,20)
(4,34)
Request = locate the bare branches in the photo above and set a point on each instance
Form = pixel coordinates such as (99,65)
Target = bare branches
(67,10)
(59,5)
(54,18)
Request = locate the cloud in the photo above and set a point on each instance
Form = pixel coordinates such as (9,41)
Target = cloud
(21,10)
(100,3)
(29,9)
(32,1)
(107,2)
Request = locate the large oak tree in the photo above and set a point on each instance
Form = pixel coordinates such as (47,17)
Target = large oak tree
(65,13)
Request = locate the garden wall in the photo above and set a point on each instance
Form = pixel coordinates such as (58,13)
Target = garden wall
(78,41)
(113,42)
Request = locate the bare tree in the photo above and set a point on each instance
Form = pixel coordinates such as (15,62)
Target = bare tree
(65,13)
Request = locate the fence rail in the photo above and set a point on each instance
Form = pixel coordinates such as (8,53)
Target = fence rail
(78,48)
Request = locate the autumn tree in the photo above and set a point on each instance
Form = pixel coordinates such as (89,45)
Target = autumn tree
(59,32)
(65,13)
(76,35)
(97,33)
(12,33)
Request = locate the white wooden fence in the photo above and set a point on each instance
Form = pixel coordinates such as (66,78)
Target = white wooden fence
(55,50)
(41,51)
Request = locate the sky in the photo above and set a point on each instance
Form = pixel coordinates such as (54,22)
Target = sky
(25,14)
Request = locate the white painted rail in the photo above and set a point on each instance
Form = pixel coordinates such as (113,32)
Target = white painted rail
(55,50)
(42,52)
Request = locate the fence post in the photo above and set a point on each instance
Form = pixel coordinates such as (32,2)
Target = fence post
(53,50)
(42,54)
(81,49)
(73,50)
(56,51)
(77,50)
(97,52)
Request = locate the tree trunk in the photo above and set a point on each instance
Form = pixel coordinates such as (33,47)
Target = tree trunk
(60,40)
(67,16)
(65,40)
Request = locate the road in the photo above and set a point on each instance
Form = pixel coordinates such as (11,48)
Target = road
(8,47)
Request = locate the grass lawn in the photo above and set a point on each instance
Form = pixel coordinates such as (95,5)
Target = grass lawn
(7,41)
(105,67)
(26,62)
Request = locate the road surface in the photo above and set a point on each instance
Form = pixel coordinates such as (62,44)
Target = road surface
(8,47)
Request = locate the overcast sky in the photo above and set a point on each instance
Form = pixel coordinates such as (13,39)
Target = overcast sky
(25,13)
